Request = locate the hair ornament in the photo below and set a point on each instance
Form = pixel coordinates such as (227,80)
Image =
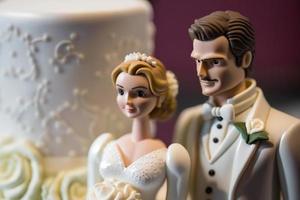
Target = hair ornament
(137,56)
(173,83)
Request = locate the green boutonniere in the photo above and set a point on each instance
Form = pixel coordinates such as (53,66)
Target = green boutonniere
(252,131)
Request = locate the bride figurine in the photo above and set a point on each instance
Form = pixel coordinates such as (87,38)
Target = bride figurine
(136,165)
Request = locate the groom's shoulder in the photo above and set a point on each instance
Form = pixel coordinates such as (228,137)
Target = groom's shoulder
(192,111)
(280,119)
(186,122)
(190,114)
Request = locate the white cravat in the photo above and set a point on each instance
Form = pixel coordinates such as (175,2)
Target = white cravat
(226,112)
(233,106)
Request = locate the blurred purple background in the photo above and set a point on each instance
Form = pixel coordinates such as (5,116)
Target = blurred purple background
(276,64)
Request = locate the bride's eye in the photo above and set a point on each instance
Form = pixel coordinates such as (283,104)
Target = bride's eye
(120,91)
(141,93)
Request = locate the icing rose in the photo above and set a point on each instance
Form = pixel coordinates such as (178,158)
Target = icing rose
(20,170)
(66,185)
(254,125)
(113,190)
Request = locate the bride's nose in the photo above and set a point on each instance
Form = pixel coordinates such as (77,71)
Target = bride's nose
(129,99)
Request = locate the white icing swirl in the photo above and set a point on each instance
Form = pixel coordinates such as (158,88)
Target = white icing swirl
(113,190)
(20,170)
(65,186)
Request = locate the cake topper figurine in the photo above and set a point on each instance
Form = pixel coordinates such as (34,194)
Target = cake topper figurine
(136,165)
(240,147)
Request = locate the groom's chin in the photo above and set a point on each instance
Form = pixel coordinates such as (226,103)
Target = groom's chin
(208,91)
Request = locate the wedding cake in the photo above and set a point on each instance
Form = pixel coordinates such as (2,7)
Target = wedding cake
(56,95)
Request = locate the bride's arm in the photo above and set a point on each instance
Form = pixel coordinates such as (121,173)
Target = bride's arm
(178,169)
(94,158)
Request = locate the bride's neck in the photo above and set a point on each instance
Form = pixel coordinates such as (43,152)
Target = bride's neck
(141,129)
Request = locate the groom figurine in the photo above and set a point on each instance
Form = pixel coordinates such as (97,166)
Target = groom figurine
(240,147)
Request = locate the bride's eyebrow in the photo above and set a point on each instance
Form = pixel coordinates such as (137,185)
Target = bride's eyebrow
(140,87)
(120,86)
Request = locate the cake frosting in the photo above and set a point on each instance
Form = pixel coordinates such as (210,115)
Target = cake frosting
(56,94)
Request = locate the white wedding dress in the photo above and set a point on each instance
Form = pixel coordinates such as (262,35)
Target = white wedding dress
(109,178)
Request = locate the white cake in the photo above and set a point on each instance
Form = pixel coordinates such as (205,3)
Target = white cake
(56,95)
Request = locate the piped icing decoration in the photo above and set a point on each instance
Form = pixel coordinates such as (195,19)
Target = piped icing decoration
(21,170)
(120,46)
(65,51)
(97,119)
(70,185)
(29,50)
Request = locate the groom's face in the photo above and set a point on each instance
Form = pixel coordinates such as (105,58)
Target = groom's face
(216,67)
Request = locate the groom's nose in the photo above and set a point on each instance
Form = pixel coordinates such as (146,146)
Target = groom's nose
(202,70)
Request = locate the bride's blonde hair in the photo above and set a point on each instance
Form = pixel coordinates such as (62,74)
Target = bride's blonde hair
(162,83)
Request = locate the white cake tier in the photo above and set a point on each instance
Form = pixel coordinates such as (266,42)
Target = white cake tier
(56,57)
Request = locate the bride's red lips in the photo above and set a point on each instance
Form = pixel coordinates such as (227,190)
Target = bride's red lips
(130,109)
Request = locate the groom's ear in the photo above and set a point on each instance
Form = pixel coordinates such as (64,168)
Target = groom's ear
(246,60)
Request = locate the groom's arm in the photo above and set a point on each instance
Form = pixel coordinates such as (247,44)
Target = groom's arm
(289,162)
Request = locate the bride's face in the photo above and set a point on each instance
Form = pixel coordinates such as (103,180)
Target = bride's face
(134,96)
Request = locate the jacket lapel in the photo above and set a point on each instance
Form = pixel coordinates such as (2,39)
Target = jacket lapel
(244,151)
(229,139)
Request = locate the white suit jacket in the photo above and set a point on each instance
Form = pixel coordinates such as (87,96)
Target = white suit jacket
(260,171)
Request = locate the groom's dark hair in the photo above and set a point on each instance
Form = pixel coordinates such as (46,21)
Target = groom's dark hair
(235,27)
